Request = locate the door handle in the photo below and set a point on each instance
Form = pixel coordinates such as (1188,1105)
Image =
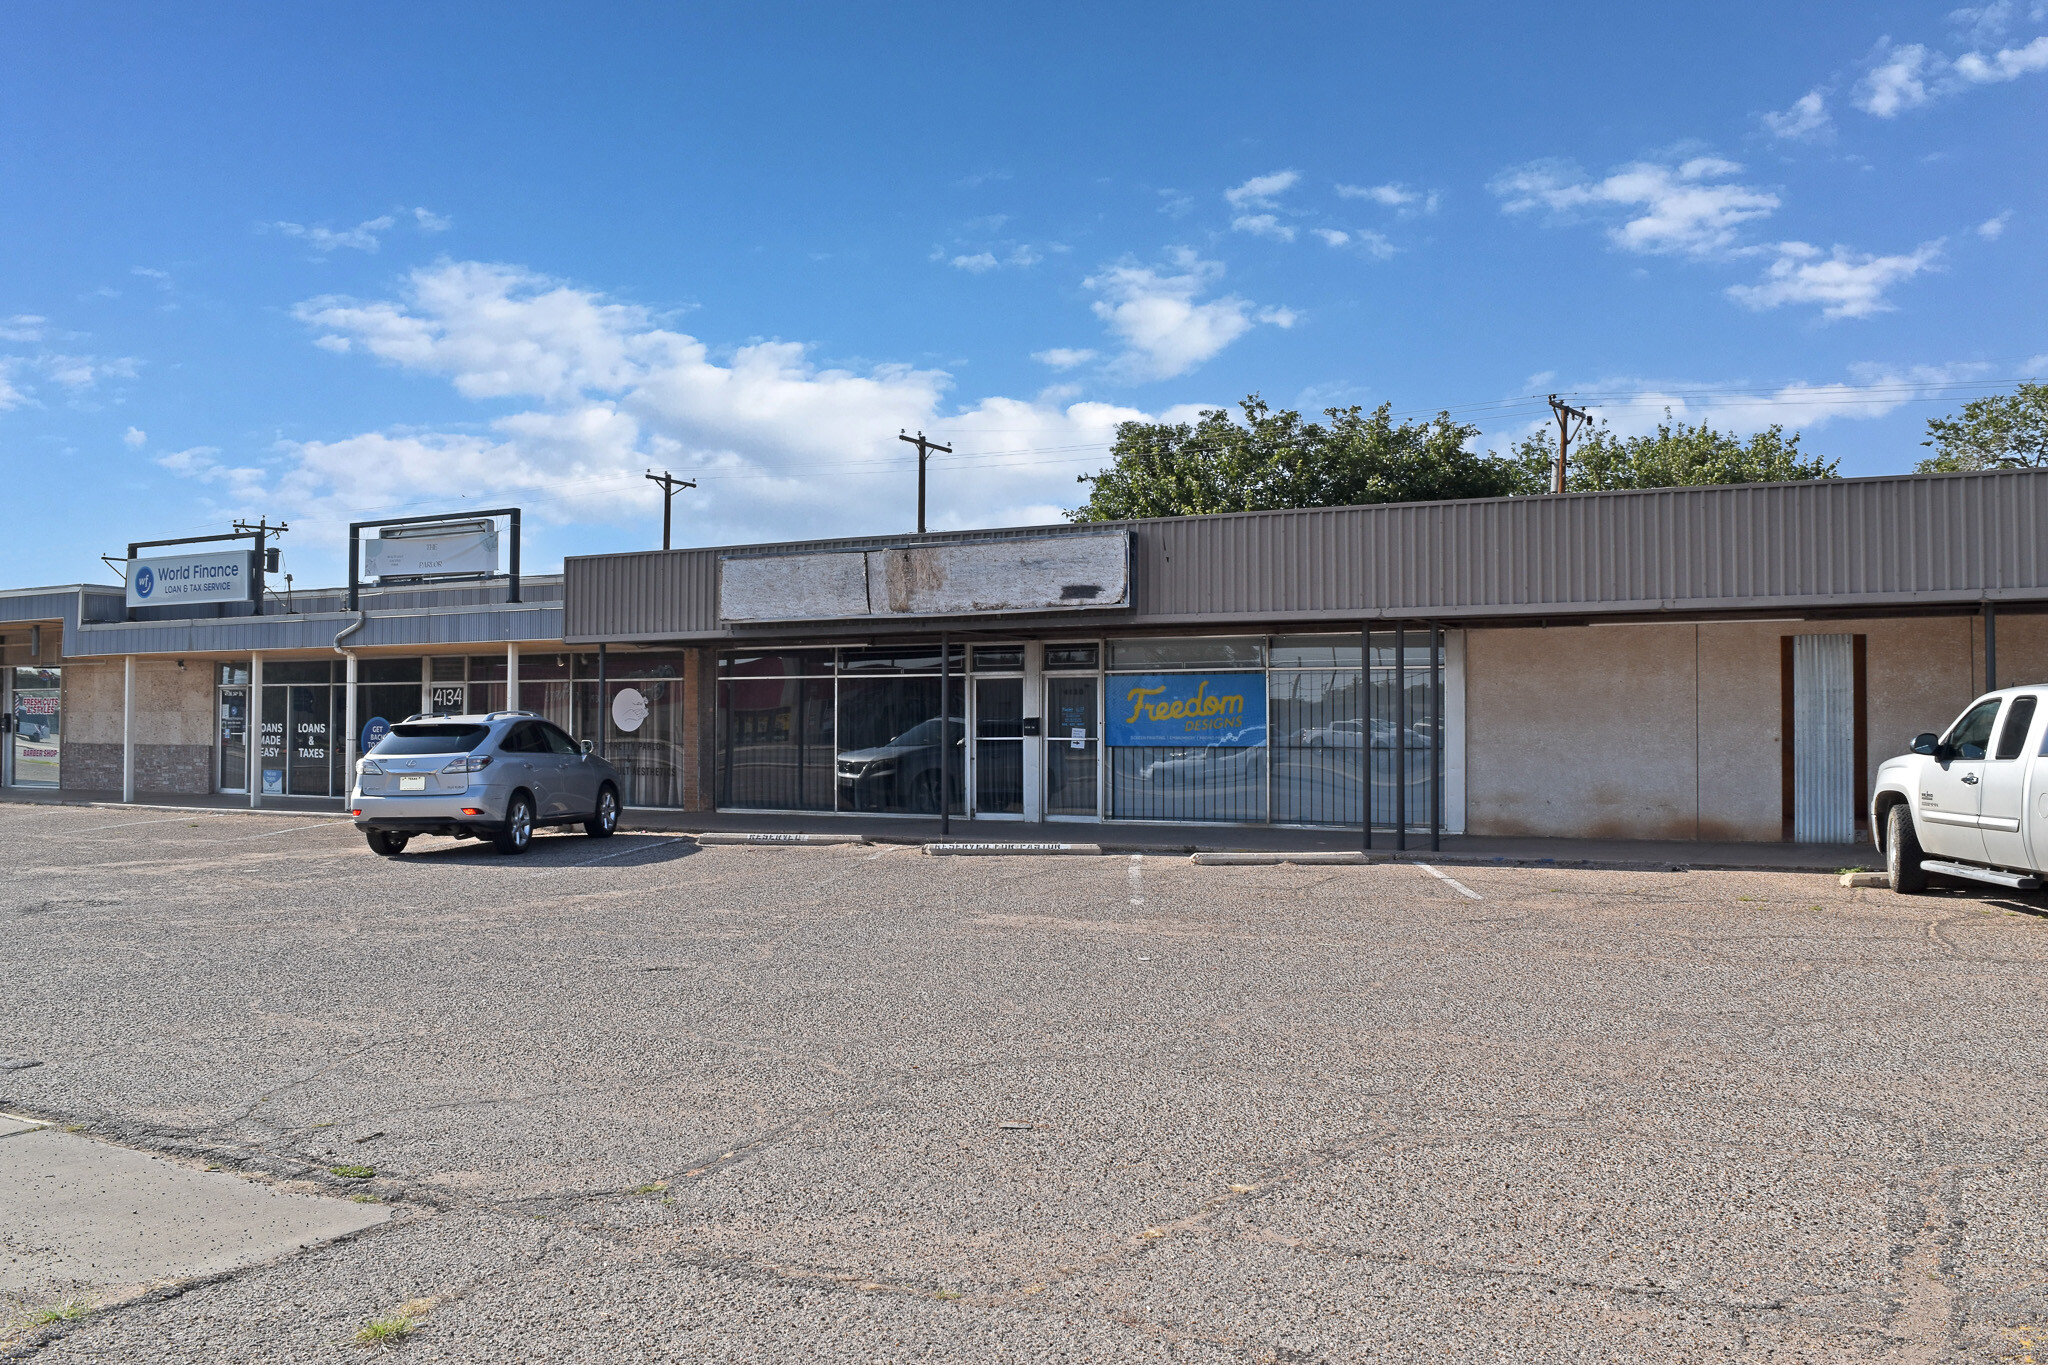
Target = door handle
(1970,780)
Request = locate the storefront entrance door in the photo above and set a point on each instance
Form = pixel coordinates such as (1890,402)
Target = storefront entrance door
(999,747)
(1072,737)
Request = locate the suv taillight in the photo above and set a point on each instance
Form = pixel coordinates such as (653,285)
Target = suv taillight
(469,763)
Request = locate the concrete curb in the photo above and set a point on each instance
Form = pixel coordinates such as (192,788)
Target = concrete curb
(341,813)
(1866,879)
(1012,850)
(717,838)
(1275,859)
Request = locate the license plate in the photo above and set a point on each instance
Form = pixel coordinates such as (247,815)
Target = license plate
(412,784)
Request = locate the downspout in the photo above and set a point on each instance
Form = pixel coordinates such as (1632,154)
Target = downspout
(348,722)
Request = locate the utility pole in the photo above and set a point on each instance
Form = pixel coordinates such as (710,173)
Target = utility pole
(669,484)
(263,531)
(1565,412)
(924,450)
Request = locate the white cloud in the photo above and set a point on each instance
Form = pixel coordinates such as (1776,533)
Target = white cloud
(1991,229)
(1063,357)
(1262,225)
(1692,208)
(1909,77)
(430,221)
(10,396)
(22,327)
(1024,257)
(135,438)
(1164,329)
(1872,391)
(362,237)
(1393,196)
(1896,81)
(977,263)
(1805,120)
(2036,367)
(780,445)
(1260,190)
(1332,236)
(1846,284)
(2005,65)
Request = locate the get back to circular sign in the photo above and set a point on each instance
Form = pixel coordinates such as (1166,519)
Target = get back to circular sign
(629,710)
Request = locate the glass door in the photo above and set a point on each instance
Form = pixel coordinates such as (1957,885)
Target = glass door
(34,747)
(999,747)
(233,711)
(1072,711)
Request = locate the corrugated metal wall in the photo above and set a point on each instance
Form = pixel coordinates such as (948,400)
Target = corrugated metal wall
(1907,540)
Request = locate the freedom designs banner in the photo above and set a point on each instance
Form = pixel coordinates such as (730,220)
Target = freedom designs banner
(1187,710)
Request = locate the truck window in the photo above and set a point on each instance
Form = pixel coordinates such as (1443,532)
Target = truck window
(2019,718)
(1972,735)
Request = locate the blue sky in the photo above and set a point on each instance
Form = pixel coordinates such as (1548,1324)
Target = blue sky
(405,259)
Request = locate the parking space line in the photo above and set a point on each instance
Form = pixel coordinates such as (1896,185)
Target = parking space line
(1453,882)
(615,853)
(128,824)
(273,833)
(1137,879)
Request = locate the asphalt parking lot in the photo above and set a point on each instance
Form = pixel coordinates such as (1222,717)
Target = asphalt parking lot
(642,1100)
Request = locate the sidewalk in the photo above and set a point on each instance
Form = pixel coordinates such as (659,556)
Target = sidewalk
(1457,849)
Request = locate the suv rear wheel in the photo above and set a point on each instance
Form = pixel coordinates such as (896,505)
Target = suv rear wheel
(518,831)
(386,845)
(605,818)
(1902,852)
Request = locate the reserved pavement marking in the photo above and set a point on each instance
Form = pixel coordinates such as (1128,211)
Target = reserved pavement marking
(1453,882)
(1137,879)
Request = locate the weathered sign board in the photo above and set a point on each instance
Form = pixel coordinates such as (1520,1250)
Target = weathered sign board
(980,578)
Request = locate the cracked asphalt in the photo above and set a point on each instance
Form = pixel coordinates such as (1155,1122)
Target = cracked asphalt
(641,1100)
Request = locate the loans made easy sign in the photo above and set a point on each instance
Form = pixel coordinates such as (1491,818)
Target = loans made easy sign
(1187,710)
(175,580)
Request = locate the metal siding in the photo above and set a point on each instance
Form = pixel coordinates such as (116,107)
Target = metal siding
(1904,540)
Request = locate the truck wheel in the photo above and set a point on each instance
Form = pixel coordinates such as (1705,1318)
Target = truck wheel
(518,831)
(1902,852)
(386,845)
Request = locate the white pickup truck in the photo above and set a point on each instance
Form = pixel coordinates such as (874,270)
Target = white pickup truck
(1972,802)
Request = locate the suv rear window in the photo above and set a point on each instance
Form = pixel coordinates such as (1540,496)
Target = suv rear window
(431,739)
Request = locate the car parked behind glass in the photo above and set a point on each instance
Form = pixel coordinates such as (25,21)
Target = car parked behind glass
(497,776)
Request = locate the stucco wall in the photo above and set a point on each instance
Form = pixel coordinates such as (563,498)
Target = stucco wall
(173,726)
(1672,731)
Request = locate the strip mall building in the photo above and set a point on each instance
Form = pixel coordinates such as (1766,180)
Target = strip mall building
(1706,663)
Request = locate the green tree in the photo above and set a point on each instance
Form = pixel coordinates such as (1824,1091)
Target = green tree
(1275,459)
(1673,456)
(2004,431)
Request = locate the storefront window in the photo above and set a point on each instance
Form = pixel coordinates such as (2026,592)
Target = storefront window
(895,756)
(35,748)
(645,728)
(1187,745)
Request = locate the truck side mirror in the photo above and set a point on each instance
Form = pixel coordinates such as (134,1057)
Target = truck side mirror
(1928,743)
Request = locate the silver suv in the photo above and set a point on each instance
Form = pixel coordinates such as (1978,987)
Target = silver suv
(495,776)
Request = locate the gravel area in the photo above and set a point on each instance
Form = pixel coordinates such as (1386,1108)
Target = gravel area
(642,1100)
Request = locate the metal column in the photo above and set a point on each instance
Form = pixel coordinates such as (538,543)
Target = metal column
(1436,736)
(604,712)
(255,730)
(349,733)
(128,728)
(1365,731)
(945,718)
(512,675)
(1401,735)
(1990,647)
